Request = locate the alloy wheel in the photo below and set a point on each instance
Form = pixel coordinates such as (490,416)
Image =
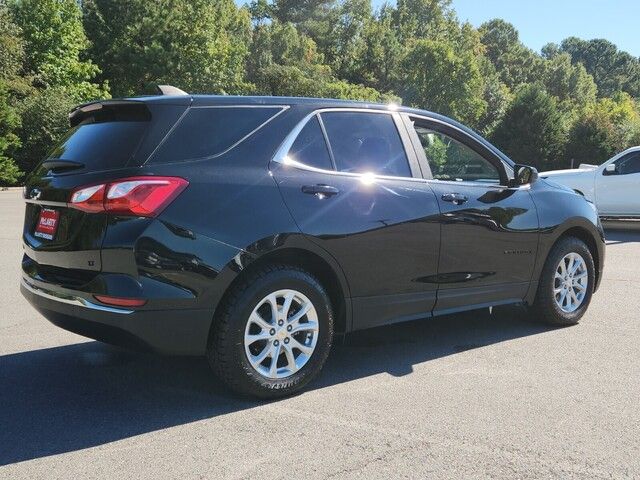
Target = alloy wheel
(281,334)
(570,282)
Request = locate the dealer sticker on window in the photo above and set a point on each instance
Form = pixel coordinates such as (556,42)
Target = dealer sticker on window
(47,224)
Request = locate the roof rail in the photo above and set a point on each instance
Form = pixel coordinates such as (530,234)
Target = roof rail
(170,90)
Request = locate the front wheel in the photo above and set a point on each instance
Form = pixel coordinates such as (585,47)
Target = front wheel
(566,283)
(273,334)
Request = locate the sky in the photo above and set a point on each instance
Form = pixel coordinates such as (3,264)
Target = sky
(542,21)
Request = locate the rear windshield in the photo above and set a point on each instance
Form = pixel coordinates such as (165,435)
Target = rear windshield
(105,139)
(209,131)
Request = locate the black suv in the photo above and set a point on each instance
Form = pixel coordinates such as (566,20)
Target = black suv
(253,229)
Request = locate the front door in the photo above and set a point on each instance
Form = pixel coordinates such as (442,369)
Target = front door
(352,187)
(489,230)
(618,191)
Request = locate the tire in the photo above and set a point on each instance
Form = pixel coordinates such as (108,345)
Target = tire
(549,306)
(247,314)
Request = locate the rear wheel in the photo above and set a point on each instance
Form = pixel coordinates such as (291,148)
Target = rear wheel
(273,334)
(566,283)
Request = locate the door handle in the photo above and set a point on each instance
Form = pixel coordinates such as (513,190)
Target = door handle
(455,198)
(320,191)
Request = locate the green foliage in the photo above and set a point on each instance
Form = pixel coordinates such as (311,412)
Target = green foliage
(612,70)
(9,122)
(54,42)
(569,83)
(197,45)
(575,100)
(436,152)
(44,122)
(287,62)
(497,96)
(11,45)
(427,63)
(378,63)
(425,19)
(606,127)
(11,58)
(533,130)
(515,63)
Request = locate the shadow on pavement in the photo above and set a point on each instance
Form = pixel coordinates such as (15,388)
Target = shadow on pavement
(68,398)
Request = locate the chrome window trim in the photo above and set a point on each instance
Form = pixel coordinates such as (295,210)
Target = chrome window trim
(281,154)
(464,134)
(71,299)
(327,142)
(283,108)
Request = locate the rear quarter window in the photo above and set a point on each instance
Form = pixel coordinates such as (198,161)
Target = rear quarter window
(206,132)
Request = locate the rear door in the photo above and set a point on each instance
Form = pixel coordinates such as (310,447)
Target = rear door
(618,192)
(489,230)
(106,140)
(354,189)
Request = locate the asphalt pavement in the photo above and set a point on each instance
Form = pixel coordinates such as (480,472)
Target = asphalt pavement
(469,396)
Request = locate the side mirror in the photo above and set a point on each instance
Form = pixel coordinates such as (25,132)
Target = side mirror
(524,175)
(610,169)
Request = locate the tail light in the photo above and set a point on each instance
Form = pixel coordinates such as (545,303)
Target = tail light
(120,302)
(136,196)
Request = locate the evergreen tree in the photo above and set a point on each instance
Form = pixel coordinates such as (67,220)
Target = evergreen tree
(533,130)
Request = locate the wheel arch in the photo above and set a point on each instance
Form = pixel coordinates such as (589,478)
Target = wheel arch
(587,237)
(325,270)
(588,234)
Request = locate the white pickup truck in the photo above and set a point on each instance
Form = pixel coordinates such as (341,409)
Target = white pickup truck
(614,186)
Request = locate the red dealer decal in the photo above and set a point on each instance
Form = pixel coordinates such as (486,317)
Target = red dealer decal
(47,224)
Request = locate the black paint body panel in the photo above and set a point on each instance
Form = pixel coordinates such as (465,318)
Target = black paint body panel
(396,250)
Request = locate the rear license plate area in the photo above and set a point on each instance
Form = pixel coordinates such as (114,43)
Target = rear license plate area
(47,225)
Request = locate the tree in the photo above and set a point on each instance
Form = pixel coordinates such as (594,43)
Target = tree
(496,95)
(9,122)
(197,45)
(11,59)
(378,64)
(261,11)
(607,127)
(570,84)
(287,62)
(611,69)
(533,130)
(515,63)
(54,44)
(297,11)
(44,121)
(425,19)
(439,78)
(349,38)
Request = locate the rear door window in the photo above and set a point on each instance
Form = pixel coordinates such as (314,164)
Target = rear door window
(206,132)
(364,142)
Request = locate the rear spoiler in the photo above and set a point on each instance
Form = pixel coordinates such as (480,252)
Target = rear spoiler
(170,90)
(131,106)
(122,108)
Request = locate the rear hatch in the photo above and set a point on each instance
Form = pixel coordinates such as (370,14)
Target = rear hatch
(107,140)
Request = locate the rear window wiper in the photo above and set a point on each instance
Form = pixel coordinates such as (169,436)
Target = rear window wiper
(59,165)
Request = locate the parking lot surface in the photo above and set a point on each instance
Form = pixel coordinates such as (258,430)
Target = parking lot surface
(468,396)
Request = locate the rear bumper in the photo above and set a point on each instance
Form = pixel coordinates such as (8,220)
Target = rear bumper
(170,331)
